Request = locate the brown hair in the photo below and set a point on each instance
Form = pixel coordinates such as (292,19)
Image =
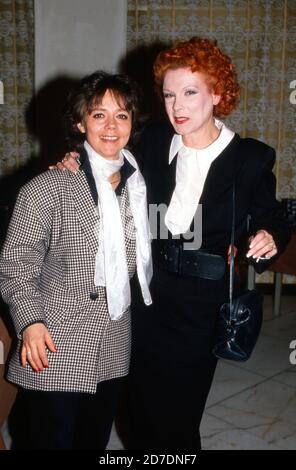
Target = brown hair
(90,93)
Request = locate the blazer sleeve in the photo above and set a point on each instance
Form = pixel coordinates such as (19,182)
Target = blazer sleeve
(266,212)
(22,257)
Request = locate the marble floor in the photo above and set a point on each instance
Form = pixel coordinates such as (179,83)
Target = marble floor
(252,405)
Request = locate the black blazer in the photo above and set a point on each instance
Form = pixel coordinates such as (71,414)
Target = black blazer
(247,161)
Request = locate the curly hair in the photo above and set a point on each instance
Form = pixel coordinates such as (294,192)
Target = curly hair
(89,94)
(204,56)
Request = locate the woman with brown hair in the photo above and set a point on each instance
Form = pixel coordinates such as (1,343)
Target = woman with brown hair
(73,243)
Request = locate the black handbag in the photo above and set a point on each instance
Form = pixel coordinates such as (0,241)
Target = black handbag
(240,320)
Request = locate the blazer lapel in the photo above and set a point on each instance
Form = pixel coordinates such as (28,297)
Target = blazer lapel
(87,212)
(222,172)
(219,178)
(170,181)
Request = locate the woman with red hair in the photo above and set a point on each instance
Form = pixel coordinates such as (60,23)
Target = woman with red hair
(190,167)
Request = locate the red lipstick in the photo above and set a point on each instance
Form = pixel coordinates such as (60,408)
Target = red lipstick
(180,119)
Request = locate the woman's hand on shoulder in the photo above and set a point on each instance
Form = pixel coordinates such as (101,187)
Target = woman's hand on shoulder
(36,338)
(262,245)
(69,162)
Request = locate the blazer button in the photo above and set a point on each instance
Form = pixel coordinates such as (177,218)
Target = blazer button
(93,295)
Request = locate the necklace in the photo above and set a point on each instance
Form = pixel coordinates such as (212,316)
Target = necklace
(214,140)
(206,146)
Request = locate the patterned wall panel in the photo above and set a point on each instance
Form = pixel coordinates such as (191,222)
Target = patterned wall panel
(17,81)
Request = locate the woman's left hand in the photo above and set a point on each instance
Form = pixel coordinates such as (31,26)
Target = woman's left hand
(262,245)
(69,162)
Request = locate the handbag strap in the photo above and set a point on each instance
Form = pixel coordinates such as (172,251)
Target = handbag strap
(231,277)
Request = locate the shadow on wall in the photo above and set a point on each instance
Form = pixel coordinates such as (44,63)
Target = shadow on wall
(138,64)
(44,118)
(44,122)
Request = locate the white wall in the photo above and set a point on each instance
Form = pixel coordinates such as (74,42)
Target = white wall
(75,37)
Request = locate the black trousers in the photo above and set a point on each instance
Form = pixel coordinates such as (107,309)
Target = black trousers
(172,364)
(69,420)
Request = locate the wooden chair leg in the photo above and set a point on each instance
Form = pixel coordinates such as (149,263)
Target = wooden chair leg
(251,277)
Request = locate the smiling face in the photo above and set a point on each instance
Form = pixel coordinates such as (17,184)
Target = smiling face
(189,103)
(108,126)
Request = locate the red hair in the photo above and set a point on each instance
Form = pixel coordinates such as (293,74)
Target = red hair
(204,56)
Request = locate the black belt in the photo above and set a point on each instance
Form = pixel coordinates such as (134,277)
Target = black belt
(197,263)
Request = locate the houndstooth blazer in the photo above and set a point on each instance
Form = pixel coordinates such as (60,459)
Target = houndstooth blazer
(47,274)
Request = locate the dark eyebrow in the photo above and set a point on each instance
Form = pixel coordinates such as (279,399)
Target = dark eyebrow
(101,108)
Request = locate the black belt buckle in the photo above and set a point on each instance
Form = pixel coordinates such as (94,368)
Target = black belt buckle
(195,263)
(169,258)
(201,264)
